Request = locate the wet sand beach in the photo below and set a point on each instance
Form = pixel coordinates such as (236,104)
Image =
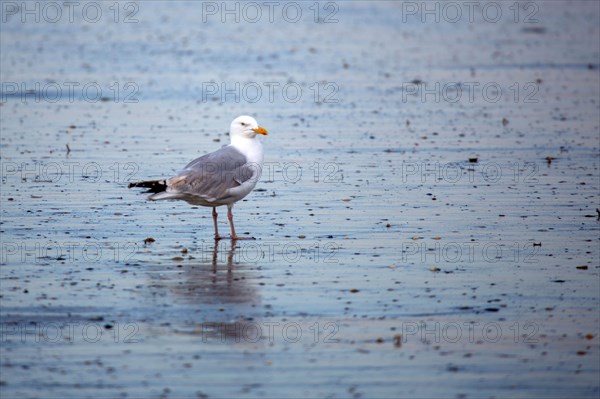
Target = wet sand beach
(426,223)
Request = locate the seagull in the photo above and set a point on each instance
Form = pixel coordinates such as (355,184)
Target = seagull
(218,178)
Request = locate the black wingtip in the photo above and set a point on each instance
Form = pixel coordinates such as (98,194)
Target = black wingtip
(153,186)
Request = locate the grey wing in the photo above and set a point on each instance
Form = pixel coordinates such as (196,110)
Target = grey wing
(212,175)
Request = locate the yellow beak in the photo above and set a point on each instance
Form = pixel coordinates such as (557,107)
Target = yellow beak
(260,130)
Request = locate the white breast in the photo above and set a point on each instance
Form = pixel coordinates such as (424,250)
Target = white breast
(253,151)
(251,148)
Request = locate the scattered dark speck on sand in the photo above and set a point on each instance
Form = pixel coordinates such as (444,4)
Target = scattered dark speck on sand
(534,29)
(558,281)
(149,240)
(584,267)
(473,160)
(504,121)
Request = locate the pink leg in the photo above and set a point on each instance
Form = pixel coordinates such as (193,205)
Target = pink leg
(230,217)
(215,214)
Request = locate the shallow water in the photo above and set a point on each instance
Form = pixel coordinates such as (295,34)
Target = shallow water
(408,244)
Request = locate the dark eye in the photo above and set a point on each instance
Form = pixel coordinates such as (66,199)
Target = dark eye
(242,123)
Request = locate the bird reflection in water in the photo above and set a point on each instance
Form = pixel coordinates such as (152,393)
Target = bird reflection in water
(223,294)
(229,257)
